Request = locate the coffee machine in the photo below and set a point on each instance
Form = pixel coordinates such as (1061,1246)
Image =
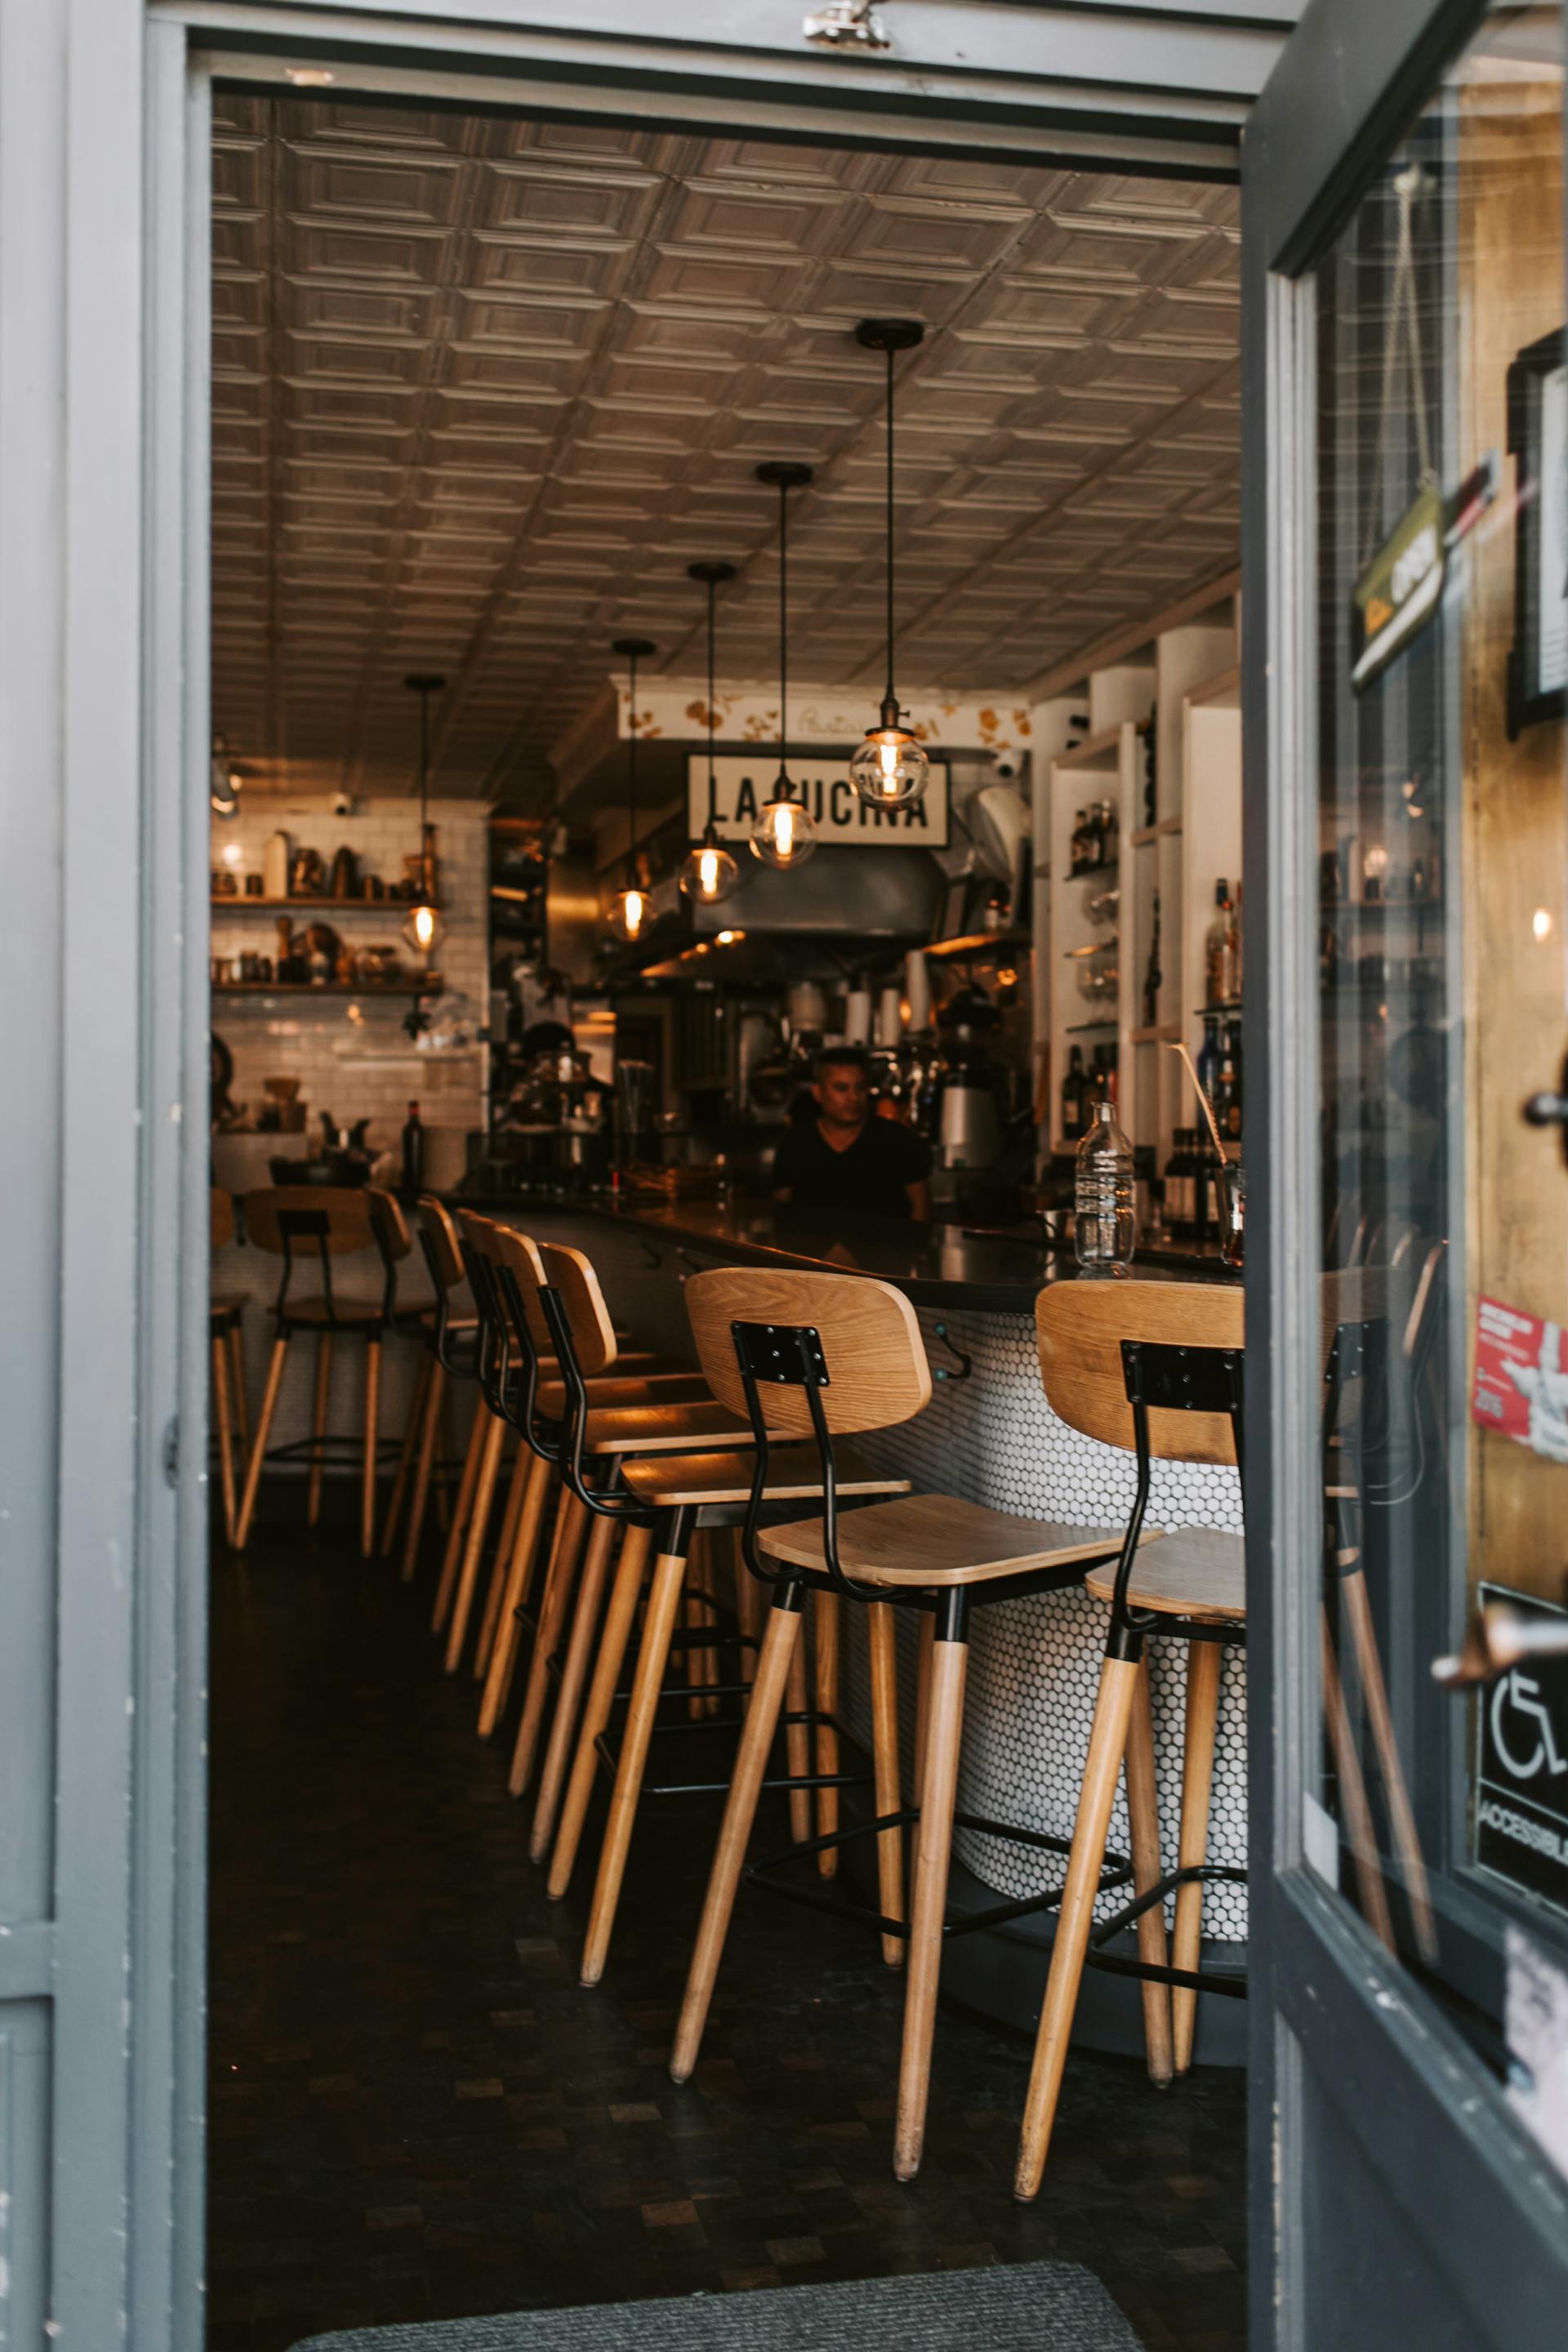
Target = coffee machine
(968,1096)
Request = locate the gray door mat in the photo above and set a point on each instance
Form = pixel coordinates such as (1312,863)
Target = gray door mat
(1010,2307)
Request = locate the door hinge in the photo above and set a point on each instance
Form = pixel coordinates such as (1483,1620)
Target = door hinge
(172,1450)
(847,25)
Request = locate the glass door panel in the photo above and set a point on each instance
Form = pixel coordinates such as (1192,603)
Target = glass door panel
(1442,498)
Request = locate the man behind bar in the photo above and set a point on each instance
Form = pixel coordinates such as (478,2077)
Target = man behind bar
(846,1157)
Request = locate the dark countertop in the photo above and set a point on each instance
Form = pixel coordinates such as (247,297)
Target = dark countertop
(994,1272)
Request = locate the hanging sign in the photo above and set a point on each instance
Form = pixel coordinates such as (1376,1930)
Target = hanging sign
(744,782)
(1522,1799)
(1398,589)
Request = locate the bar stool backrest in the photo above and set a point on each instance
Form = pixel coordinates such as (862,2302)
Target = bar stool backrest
(326,1221)
(388,1223)
(221,1219)
(572,1278)
(869,1340)
(438,1238)
(1080,1328)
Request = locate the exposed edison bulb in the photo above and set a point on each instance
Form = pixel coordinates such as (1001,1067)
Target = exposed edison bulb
(891,769)
(709,872)
(423,927)
(785,833)
(628,913)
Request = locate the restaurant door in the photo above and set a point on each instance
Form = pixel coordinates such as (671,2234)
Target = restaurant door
(1406,409)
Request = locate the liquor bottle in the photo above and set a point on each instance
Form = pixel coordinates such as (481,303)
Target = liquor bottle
(1233,1048)
(1235,996)
(1151,772)
(1072,1097)
(1078,857)
(1111,1092)
(413,1152)
(1152,975)
(1110,833)
(1217,948)
(1227,1099)
(1179,1186)
(1208,1058)
(1105,1229)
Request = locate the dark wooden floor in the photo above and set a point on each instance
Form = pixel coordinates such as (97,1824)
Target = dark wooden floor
(417,2112)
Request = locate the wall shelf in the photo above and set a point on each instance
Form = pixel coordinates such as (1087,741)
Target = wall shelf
(404,988)
(238,904)
(1148,833)
(1163,1033)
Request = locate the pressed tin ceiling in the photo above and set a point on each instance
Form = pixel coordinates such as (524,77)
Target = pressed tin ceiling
(483,388)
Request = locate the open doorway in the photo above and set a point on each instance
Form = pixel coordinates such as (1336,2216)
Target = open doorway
(485,387)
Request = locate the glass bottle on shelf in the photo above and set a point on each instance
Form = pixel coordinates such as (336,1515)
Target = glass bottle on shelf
(1152,975)
(1227,1098)
(1217,949)
(1151,772)
(413,1152)
(1072,1097)
(1235,942)
(1208,1057)
(1178,1187)
(1105,1229)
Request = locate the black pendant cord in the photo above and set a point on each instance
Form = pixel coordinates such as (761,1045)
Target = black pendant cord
(632,785)
(713,780)
(783,633)
(891,693)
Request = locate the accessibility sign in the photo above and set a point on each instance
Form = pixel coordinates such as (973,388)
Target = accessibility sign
(1522,1797)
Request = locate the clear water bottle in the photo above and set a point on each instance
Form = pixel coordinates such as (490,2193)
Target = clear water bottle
(1105,1229)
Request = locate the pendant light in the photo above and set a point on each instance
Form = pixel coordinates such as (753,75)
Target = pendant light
(890,769)
(423,927)
(710,873)
(785,833)
(630,908)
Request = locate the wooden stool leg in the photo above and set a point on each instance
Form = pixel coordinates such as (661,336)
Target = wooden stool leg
(449,1451)
(880,1629)
(411,1432)
(1357,1612)
(427,1439)
(568,1698)
(780,1645)
(516,1494)
(258,1448)
(938,1792)
(797,1745)
(653,1664)
(451,1558)
(473,1549)
(1101,1771)
(553,1604)
(1198,1780)
(236,1370)
(824,1625)
(319,1424)
(520,1568)
(1357,1825)
(225,1432)
(371,1416)
(1144,1813)
(618,1620)
(923,1693)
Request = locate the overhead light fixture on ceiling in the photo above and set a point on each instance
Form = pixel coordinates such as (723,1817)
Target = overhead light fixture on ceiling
(629,908)
(785,833)
(423,927)
(891,769)
(710,873)
(224,781)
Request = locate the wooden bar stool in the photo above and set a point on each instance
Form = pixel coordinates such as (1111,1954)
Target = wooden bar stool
(326,1222)
(835,1355)
(509,1345)
(446,1329)
(226,1324)
(1156,1366)
(618,1467)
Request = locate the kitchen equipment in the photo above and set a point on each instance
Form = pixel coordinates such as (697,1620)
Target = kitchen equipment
(890,1017)
(343,881)
(1000,822)
(917,988)
(970,1124)
(858,1017)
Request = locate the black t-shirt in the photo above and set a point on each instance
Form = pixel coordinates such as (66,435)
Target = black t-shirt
(868,1176)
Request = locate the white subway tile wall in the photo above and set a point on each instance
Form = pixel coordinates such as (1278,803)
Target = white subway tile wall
(364,1068)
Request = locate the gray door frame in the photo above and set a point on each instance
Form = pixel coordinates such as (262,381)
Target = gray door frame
(104,227)
(1336,2030)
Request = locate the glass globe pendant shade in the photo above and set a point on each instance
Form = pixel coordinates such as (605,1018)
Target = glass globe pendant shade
(785,833)
(891,769)
(423,928)
(708,873)
(629,911)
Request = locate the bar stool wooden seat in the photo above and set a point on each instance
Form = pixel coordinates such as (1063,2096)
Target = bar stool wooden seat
(835,1355)
(1156,1366)
(226,1326)
(321,1223)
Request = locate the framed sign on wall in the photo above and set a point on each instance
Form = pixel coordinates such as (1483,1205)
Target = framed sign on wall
(744,779)
(1538,441)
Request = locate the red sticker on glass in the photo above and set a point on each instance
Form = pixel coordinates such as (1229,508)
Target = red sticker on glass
(1521,1378)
